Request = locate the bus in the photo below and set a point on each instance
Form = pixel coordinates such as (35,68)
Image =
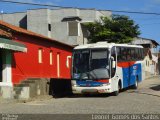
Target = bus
(106,68)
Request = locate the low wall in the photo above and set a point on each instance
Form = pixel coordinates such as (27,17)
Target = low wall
(33,87)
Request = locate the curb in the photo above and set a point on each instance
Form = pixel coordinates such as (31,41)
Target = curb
(152,77)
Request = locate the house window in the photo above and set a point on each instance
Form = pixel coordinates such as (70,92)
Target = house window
(68,61)
(51,57)
(49,27)
(73,28)
(40,55)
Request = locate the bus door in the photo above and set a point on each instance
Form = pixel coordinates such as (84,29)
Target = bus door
(134,67)
(125,65)
(126,74)
(130,58)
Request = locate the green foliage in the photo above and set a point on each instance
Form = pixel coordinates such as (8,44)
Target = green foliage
(118,29)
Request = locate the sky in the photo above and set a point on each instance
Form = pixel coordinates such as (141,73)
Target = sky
(149,24)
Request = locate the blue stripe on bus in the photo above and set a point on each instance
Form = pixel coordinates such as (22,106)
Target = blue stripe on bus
(131,73)
(85,83)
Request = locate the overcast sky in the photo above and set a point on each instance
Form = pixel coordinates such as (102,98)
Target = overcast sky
(149,24)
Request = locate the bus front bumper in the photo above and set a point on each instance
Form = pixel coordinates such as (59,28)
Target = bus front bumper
(91,90)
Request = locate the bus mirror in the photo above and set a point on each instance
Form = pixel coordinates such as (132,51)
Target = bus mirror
(113,64)
(112,58)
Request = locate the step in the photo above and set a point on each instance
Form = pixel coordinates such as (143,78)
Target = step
(28,81)
(21,85)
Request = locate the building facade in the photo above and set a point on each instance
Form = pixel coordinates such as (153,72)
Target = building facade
(25,54)
(65,25)
(151,54)
(159,62)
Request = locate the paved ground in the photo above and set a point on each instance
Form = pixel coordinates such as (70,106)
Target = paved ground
(144,100)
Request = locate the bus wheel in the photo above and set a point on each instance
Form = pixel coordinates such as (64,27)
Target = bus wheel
(116,93)
(135,86)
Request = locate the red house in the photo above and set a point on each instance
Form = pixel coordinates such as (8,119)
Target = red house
(25,54)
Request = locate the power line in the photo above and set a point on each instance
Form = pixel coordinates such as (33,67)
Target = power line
(56,6)
(35,4)
(147,19)
(150,24)
(135,12)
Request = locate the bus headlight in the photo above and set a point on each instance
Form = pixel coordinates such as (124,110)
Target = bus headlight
(106,84)
(74,84)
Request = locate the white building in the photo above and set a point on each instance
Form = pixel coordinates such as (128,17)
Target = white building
(151,55)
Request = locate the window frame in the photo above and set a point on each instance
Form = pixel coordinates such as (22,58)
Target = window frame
(40,55)
(51,57)
(78,27)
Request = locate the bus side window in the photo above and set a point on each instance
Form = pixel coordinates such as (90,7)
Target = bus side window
(132,54)
(137,54)
(123,54)
(113,54)
(142,53)
(118,54)
(128,54)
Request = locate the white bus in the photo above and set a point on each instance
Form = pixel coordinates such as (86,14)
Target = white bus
(106,67)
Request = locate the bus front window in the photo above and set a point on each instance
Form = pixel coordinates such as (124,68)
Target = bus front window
(80,64)
(99,64)
(90,64)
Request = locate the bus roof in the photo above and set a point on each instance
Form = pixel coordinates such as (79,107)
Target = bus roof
(104,45)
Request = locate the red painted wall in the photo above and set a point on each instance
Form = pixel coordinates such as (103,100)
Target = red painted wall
(26,65)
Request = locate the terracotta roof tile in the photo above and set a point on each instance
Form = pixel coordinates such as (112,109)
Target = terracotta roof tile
(24,31)
(5,34)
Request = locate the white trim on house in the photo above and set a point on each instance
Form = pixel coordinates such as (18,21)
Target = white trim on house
(8,84)
(58,65)
(7,73)
(78,27)
(67,61)
(51,57)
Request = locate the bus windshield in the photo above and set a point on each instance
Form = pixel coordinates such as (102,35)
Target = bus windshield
(90,64)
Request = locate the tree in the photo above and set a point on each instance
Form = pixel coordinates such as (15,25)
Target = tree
(117,29)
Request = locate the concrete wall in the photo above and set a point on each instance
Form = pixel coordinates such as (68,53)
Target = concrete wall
(159,65)
(17,19)
(106,13)
(37,20)
(150,67)
(85,14)
(59,14)
(60,31)
(88,15)
(148,64)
